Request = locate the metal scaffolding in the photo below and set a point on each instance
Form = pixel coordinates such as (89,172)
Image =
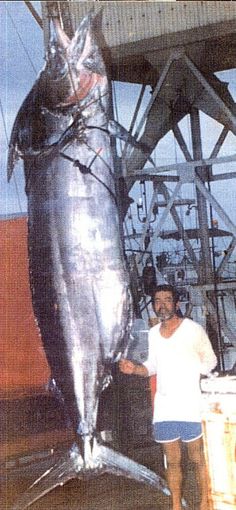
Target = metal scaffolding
(173,50)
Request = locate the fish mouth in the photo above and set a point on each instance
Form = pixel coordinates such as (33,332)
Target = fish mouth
(74,65)
(88,81)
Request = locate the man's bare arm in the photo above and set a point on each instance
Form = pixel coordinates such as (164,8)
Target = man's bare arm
(128,367)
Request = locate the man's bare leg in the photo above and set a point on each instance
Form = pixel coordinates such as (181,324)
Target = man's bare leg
(172,451)
(196,455)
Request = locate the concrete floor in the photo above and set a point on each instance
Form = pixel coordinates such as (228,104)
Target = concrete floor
(105,491)
(29,428)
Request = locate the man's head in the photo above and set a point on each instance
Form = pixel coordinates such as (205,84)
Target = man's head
(165,301)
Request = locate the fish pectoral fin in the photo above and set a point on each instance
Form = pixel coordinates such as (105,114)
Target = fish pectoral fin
(13,156)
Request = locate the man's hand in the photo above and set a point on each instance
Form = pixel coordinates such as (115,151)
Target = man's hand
(126,366)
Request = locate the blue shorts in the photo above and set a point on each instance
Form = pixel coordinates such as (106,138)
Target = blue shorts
(167,431)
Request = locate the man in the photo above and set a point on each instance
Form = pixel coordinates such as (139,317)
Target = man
(179,352)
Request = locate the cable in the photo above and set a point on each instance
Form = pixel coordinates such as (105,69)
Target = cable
(116,108)
(4,122)
(25,49)
(17,192)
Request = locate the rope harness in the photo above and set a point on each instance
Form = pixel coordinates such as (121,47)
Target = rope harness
(85,170)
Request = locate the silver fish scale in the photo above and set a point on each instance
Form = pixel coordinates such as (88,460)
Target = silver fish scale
(79,281)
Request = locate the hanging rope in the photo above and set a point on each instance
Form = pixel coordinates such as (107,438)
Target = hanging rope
(21,40)
(4,122)
(87,170)
(116,108)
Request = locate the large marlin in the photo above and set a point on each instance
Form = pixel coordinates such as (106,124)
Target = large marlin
(78,277)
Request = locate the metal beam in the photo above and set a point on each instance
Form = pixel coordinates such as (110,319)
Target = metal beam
(206,262)
(34,13)
(174,56)
(177,203)
(220,211)
(227,328)
(175,178)
(223,177)
(181,229)
(183,146)
(219,142)
(230,119)
(184,166)
(165,213)
(226,258)
(134,119)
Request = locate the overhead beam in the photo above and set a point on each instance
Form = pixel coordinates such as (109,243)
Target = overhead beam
(174,56)
(34,13)
(181,86)
(228,118)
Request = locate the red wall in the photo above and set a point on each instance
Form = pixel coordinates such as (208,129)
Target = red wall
(23,366)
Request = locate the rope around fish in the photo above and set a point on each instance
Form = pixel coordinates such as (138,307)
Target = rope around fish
(87,170)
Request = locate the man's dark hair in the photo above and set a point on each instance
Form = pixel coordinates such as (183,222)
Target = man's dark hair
(166,288)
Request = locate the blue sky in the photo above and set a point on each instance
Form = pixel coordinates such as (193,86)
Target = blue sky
(22,57)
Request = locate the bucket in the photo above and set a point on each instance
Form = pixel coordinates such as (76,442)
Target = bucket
(219,425)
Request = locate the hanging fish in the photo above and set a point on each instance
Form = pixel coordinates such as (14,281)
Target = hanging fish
(78,277)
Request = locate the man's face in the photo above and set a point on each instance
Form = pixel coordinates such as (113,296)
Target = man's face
(164,305)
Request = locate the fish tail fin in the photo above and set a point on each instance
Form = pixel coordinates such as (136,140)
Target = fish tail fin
(118,464)
(56,475)
(72,465)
